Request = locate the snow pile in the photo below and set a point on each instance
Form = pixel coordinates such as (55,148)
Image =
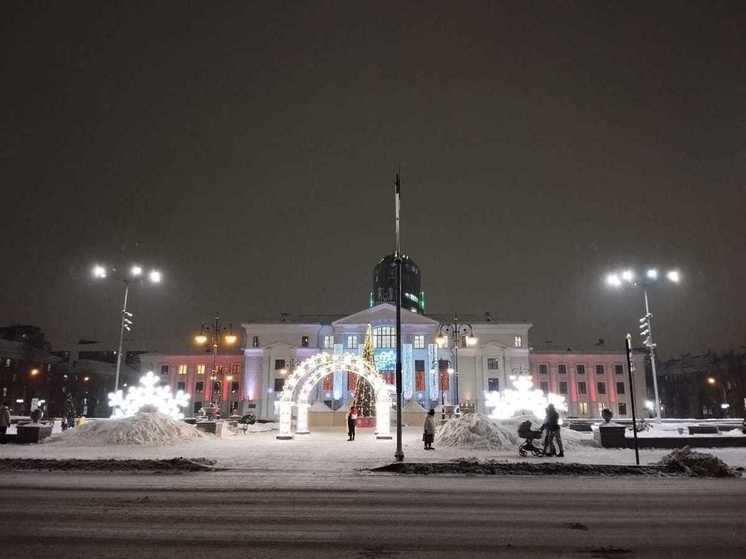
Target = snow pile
(262,427)
(143,429)
(697,464)
(478,431)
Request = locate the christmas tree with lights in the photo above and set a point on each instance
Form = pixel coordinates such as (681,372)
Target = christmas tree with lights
(365,400)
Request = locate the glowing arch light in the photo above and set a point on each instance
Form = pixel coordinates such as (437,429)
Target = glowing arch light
(522,398)
(148,395)
(309,373)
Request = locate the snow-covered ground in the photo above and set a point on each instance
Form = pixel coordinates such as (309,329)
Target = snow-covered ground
(328,450)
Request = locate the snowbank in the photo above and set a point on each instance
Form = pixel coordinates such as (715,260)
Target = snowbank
(478,431)
(696,464)
(142,429)
(262,427)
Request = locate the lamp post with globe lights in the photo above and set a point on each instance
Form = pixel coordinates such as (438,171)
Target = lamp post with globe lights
(452,336)
(213,338)
(135,274)
(651,277)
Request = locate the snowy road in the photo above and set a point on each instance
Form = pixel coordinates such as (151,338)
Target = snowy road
(365,516)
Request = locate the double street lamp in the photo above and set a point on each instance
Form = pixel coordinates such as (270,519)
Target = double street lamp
(651,277)
(452,336)
(135,274)
(213,338)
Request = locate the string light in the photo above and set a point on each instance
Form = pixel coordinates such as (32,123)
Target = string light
(521,399)
(148,396)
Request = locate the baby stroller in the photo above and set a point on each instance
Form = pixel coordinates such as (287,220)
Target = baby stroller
(525,432)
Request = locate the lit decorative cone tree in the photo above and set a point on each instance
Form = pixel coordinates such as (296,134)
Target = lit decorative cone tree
(365,399)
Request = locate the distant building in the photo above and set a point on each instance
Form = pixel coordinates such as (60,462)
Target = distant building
(25,365)
(384,284)
(591,380)
(703,385)
(192,373)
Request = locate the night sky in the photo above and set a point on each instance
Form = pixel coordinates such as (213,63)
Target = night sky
(248,150)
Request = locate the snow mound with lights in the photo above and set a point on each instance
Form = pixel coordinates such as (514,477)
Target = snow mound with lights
(145,428)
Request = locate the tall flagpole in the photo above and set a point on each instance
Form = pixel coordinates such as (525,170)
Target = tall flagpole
(399,455)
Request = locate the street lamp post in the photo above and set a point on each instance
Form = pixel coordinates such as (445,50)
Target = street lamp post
(135,274)
(618,279)
(452,336)
(217,336)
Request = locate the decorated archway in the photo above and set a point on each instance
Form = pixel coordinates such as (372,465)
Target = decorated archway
(301,382)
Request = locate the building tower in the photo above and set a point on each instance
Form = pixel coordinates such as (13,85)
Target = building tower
(384,284)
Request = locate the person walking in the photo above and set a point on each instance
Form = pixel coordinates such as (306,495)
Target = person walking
(428,434)
(351,423)
(551,424)
(4,421)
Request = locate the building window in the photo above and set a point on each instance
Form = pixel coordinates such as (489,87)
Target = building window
(619,369)
(544,387)
(279,364)
(164,369)
(234,387)
(304,341)
(181,386)
(419,381)
(622,407)
(620,388)
(599,369)
(563,388)
(562,369)
(419,365)
(583,408)
(199,387)
(580,369)
(419,342)
(582,388)
(197,407)
(182,369)
(328,342)
(493,364)
(543,369)
(601,387)
(384,336)
(493,384)
(235,368)
(352,342)
(216,388)
(201,369)
(518,341)
(255,341)
(279,384)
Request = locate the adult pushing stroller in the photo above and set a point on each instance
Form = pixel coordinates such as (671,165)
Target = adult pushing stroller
(525,432)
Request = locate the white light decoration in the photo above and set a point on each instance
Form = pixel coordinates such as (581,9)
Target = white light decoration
(309,373)
(522,398)
(149,396)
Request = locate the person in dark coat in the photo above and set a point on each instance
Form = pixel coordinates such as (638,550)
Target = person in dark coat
(4,421)
(552,427)
(428,434)
(351,423)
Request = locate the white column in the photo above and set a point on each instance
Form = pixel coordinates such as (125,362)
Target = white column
(301,426)
(383,417)
(286,415)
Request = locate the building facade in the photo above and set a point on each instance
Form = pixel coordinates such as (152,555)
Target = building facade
(193,373)
(591,380)
(430,374)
